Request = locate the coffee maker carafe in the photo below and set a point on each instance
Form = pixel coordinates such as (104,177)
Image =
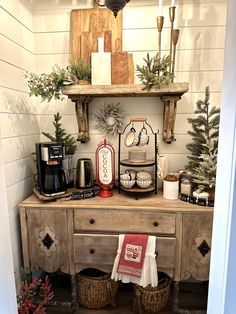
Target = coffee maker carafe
(51,175)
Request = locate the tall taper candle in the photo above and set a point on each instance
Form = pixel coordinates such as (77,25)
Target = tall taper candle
(160,8)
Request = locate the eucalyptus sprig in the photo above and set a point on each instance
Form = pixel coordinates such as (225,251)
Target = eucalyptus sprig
(155,71)
(49,86)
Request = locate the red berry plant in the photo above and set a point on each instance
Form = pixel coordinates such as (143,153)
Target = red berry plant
(34,296)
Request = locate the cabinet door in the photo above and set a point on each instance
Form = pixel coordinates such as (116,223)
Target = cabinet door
(47,239)
(196,246)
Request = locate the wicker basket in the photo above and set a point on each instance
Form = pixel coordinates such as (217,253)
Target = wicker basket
(151,299)
(95,289)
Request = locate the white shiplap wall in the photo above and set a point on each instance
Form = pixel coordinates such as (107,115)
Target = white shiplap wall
(36,40)
(18,122)
(200,53)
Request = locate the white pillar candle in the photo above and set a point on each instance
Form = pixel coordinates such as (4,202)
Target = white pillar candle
(160,8)
(172,3)
(100,44)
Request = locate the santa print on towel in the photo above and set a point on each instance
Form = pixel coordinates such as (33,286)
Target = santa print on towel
(132,254)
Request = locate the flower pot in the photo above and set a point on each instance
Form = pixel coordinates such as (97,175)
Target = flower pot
(83,82)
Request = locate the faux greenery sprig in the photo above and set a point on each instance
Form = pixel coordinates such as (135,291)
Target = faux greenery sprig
(155,71)
(49,86)
(34,296)
(61,136)
(79,70)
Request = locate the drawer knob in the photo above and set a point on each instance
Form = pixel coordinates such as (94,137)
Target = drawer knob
(155,224)
(92,251)
(92,221)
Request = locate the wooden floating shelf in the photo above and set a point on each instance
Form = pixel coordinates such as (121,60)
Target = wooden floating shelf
(83,94)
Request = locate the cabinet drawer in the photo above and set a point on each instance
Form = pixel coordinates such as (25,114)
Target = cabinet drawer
(124,221)
(102,249)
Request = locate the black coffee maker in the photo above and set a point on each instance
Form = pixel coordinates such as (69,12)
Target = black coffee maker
(51,175)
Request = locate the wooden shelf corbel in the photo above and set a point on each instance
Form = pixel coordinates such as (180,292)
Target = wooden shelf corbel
(82,116)
(82,95)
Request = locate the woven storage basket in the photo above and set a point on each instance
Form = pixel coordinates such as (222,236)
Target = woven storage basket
(95,289)
(151,299)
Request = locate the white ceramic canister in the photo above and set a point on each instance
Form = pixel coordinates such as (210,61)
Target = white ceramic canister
(171,187)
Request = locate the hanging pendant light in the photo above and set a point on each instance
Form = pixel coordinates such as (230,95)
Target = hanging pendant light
(114,5)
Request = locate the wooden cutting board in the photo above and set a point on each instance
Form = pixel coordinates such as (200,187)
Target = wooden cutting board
(89,24)
(122,68)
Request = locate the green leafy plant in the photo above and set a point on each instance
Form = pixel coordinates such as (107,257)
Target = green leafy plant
(61,136)
(155,71)
(79,70)
(49,86)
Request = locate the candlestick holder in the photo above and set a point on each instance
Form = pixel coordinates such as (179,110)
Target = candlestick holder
(160,22)
(172,18)
(175,37)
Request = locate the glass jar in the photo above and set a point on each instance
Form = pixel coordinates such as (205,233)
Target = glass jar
(186,183)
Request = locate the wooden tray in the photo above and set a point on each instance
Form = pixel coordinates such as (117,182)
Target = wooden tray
(42,197)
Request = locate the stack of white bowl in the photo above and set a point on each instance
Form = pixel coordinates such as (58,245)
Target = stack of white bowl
(127,179)
(144,179)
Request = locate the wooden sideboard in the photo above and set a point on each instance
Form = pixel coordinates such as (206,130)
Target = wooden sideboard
(73,235)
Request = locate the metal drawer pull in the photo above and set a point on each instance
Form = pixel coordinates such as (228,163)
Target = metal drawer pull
(156,252)
(155,224)
(92,251)
(92,221)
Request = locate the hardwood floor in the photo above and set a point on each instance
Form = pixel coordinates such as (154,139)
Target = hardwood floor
(192,299)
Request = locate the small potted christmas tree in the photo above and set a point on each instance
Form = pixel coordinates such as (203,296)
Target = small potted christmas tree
(205,131)
(60,135)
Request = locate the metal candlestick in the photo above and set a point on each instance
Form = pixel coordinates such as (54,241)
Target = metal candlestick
(172,18)
(175,37)
(160,22)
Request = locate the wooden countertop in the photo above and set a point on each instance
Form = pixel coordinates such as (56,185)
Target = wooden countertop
(122,201)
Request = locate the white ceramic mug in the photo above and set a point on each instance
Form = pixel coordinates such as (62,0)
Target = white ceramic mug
(131,138)
(143,137)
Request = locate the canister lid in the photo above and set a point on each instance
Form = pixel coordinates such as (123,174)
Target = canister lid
(171,178)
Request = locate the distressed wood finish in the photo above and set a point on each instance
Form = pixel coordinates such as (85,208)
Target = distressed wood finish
(81,109)
(54,222)
(117,221)
(169,94)
(122,68)
(78,226)
(196,230)
(24,239)
(86,25)
(93,249)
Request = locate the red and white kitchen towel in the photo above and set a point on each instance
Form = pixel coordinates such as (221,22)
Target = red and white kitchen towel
(132,254)
(135,261)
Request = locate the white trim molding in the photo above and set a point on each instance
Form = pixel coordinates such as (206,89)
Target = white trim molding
(222,287)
